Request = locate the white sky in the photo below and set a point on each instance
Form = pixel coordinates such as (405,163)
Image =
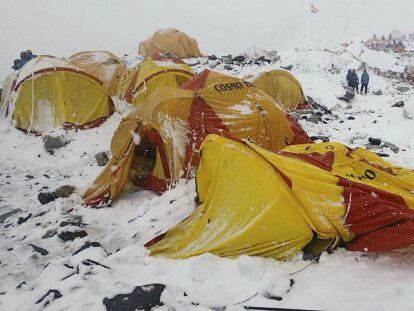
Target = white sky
(61,27)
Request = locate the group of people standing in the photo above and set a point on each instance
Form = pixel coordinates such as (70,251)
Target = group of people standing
(25,56)
(352,81)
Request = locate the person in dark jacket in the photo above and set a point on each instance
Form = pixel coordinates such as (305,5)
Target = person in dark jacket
(349,78)
(364,81)
(355,81)
(17,64)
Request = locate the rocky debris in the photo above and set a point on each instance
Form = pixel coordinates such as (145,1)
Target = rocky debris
(71,235)
(325,139)
(143,297)
(391,146)
(25,217)
(289,67)
(54,142)
(374,141)
(64,191)
(402,89)
(49,234)
(228,67)
(378,92)
(88,245)
(349,95)
(49,297)
(101,158)
(227,59)
(351,118)
(4,216)
(61,192)
(75,221)
(399,104)
(313,118)
(46,197)
(39,250)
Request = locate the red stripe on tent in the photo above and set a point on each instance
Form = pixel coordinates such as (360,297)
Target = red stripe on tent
(58,69)
(164,58)
(300,136)
(155,138)
(85,126)
(323,161)
(202,120)
(197,82)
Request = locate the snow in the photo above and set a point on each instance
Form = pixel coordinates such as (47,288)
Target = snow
(342,280)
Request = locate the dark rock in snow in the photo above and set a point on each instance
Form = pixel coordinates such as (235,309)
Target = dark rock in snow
(289,67)
(142,298)
(39,250)
(239,58)
(228,67)
(325,139)
(378,92)
(20,285)
(23,219)
(374,141)
(4,216)
(272,297)
(313,119)
(46,197)
(399,104)
(88,245)
(71,235)
(212,57)
(64,191)
(391,146)
(49,297)
(403,89)
(101,158)
(227,59)
(49,234)
(54,142)
(351,118)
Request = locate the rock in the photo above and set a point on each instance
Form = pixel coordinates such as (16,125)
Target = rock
(39,250)
(24,218)
(49,297)
(313,119)
(4,216)
(399,104)
(378,92)
(212,57)
(325,139)
(403,89)
(239,59)
(227,59)
(375,141)
(54,142)
(88,245)
(46,197)
(289,67)
(49,234)
(64,191)
(228,67)
(101,158)
(351,118)
(391,146)
(71,235)
(272,297)
(142,298)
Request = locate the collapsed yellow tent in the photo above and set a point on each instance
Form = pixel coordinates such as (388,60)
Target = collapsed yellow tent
(153,73)
(172,123)
(103,65)
(256,202)
(171,41)
(282,86)
(50,92)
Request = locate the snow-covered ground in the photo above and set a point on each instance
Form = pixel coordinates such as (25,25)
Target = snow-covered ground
(342,280)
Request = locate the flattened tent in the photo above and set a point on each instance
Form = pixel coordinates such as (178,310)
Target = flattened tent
(313,195)
(103,65)
(282,86)
(172,123)
(50,92)
(170,41)
(153,73)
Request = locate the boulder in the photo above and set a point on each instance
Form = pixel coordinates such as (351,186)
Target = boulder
(71,235)
(64,191)
(54,142)
(101,158)
(227,59)
(46,197)
(374,141)
(143,297)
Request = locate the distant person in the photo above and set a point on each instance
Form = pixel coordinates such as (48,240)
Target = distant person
(30,55)
(355,81)
(364,81)
(349,78)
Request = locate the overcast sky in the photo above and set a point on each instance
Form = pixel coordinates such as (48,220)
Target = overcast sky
(61,27)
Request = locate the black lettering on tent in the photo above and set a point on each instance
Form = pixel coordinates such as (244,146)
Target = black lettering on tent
(216,88)
(370,174)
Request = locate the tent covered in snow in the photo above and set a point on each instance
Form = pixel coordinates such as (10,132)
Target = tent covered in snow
(103,65)
(158,143)
(49,92)
(282,86)
(154,72)
(171,41)
(316,196)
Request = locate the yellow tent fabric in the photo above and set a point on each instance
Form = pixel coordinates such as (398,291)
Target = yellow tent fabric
(177,121)
(256,202)
(51,92)
(125,82)
(171,41)
(151,74)
(282,86)
(103,65)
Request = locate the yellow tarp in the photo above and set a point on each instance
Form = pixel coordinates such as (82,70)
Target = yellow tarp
(256,202)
